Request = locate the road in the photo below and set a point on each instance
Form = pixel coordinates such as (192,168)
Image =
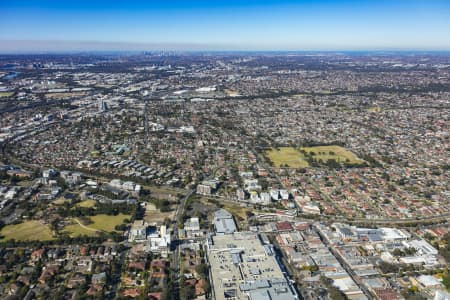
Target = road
(346,267)
(287,268)
(176,240)
(116,277)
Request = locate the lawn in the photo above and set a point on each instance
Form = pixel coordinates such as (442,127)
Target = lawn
(87,203)
(75,230)
(106,222)
(287,156)
(294,158)
(100,223)
(60,201)
(27,231)
(6,94)
(333,152)
(60,96)
(375,109)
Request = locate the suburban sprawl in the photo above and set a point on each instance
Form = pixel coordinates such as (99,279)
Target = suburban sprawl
(225,176)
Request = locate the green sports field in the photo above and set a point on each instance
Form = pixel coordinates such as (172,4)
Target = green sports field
(100,223)
(27,231)
(87,203)
(295,157)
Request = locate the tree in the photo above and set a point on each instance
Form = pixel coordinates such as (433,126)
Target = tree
(446,281)
(398,252)
(336,294)
(445,250)
(3,175)
(202,270)
(62,183)
(14,179)
(388,268)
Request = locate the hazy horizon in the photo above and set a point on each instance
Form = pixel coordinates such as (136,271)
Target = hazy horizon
(44,47)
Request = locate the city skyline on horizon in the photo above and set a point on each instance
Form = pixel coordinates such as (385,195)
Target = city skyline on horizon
(326,25)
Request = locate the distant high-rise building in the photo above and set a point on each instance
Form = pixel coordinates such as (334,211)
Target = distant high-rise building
(103,106)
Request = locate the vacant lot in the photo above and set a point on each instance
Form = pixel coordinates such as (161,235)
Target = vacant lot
(27,231)
(155,216)
(295,157)
(164,192)
(237,211)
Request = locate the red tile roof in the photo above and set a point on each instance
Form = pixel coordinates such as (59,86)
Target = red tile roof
(284,226)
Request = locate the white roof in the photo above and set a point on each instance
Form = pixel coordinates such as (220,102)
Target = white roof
(344,284)
(428,280)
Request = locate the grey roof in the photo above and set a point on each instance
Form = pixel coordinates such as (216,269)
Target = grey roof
(346,231)
(222,214)
(281,294)
(225,226)
(99,276)
(255,271)
(375,237)
(230,293)
(278,281)
(224,222)
(236,258)
(268,250)
(260,295)
(258,284)
(272,294)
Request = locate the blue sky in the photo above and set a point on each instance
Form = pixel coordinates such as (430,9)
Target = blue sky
(225,25)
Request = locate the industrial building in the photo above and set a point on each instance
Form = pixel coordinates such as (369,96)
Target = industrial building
(242,267)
